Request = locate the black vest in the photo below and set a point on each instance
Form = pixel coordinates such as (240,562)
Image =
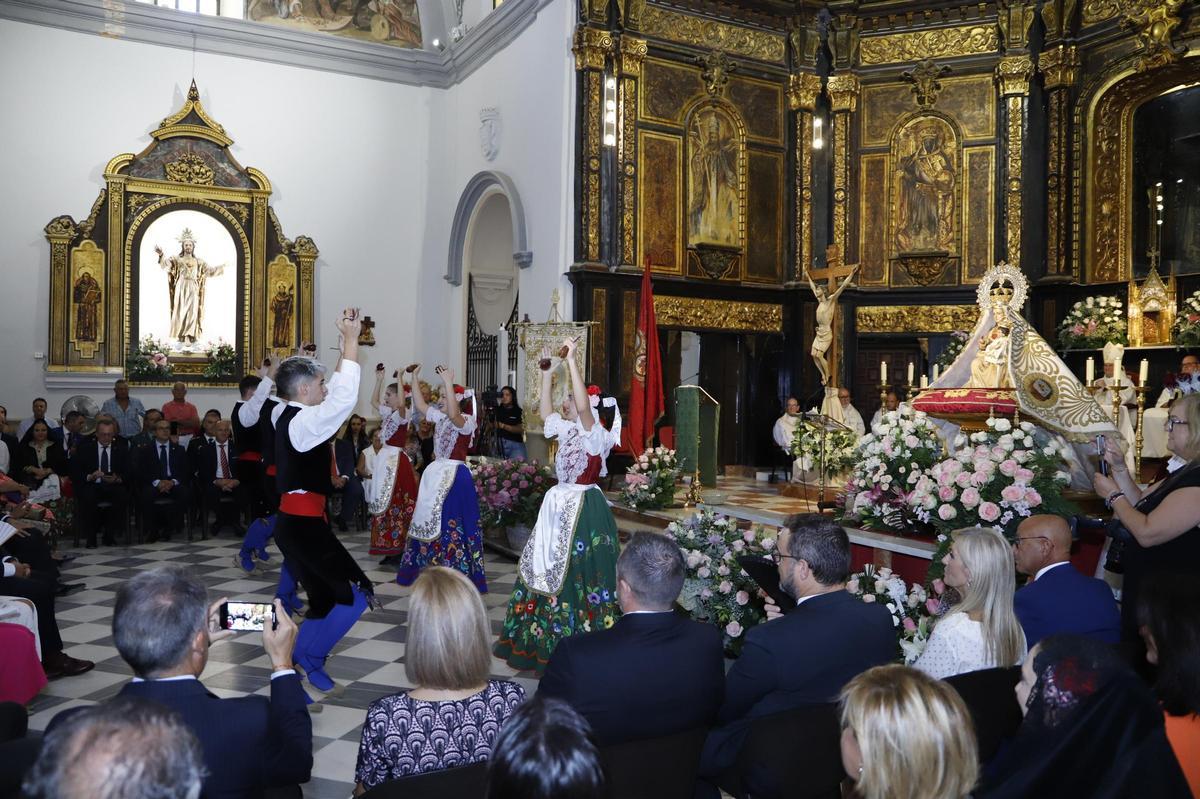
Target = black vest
(266,432)
(248,439)
(296,470)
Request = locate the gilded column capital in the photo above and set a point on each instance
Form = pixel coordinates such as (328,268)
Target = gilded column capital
(61,228)
(1060,66)
(843,91)
(633,54)
(1013,74)
(592,47)
(1014,20)
(803,90)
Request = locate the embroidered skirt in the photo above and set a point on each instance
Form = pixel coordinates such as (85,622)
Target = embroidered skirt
(390,527)
(535,623)
(460,543)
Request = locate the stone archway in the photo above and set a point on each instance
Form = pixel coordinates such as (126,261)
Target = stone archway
(478,190)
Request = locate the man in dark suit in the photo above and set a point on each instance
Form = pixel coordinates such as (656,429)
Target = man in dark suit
(805,656)
(250,743)
(346,482)
(654,672)
(163,472)
(1058,598)
(219,480)
(100,472)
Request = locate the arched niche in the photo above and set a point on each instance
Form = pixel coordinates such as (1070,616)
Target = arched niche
(477,191)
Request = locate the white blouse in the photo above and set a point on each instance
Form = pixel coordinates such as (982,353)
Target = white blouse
(445,434)
(956,646)
(575,445)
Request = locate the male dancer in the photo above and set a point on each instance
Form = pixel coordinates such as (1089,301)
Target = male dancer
(308,415)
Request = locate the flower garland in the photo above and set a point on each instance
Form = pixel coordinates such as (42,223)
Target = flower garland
(650,482)
(1092,323)
(891,459)
(149,361)
(840,448)
(716,589)
(510,491)
(1187,323)
(958,340)
(222,359)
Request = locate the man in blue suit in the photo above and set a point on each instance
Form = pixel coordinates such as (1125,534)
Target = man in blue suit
(1058,598)
(163,627)
(806,656)
(653,673)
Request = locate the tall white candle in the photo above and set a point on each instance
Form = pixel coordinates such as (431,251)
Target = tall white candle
(1089,371)
(924,382)
(910,373)
(1143,372)
(883,373)
(937,371)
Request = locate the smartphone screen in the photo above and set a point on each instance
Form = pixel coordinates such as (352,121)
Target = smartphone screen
(246,615)
(1100,445)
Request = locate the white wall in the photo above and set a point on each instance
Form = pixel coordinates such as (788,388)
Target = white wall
(370,170)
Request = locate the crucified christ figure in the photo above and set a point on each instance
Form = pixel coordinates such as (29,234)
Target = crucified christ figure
(826,309)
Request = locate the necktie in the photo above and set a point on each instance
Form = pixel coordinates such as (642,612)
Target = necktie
(224,463)
(104,459)
(166,461)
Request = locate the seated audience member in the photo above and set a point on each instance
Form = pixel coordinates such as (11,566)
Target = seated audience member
(218,479)
(40,586)
(126,411)
(545,751)
(1058,598)
(163,627)
(39,457)
(453,714)
(356,434)
(807,655)
(1091,728)
(207,434)
(655,672)
(149,424)
(183,413)
(73,432)
(39,414)
(346,482)
(906,735)
(123,749)
(1169,618)
(100,472)
(981,631)
(163,472)
(21,673)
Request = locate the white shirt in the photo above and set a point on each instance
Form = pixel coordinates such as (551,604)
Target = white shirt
(316,424)
(784,430)
(182,677)
(853,419)
(100,457)
(955,647)
(159,446)
(222,473)
(249,410)
(1165,398)
(1045,569)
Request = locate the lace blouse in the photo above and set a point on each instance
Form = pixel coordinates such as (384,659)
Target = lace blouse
(404,736)
(580,453)
(956,646)
(449,441)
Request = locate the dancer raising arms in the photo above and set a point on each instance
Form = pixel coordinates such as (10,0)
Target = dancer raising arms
(393,495)
(311,413)
(567,577)
(445,526)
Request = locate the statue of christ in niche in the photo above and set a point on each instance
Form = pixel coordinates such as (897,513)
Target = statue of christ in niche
(186,275)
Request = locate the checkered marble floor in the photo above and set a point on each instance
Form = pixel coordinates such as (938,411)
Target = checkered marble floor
(369,661)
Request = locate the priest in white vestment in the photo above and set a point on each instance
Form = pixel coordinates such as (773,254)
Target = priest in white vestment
(850,415)
(785,429)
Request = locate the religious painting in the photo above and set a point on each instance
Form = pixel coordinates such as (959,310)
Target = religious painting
(979,221)
(660,235)
(761,105)
(666,89)
(715,174)
(281,307)
(924,187)
(394,22)
(187,281)
(87,295)
(970,100)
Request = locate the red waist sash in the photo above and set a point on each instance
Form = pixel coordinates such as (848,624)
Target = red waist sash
(303,504)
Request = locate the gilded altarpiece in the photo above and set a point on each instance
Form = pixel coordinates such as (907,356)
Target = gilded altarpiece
(181,246)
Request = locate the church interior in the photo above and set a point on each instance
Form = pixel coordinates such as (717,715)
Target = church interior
(782,235)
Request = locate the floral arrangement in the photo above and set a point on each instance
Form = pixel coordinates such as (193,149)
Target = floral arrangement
(222,359)
(510,491)
(891,459)
(1092,323)
(840,448)
(716,590)
(958,340)
(650,482)
(149,360)
(911,606)
(1187,322)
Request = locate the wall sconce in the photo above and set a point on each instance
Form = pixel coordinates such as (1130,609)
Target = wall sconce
(818,141)
(610,112)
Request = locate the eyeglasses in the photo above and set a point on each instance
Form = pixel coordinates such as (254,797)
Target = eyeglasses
(1018,541)
(778,556)
(1172,423)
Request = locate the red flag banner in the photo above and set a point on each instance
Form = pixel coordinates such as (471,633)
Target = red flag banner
(645,388)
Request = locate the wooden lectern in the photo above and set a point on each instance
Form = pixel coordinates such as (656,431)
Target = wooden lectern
(697,420)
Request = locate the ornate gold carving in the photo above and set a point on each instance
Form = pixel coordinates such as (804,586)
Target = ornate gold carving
(599,339)
(1013,74)
(629,173)
(1056,15)
(1014,21)
(61,228)
(240,210)
(914,318)
(970,100)
(713,35)
(190,168)
(259,278)
(926,79)
(1155,22)
(192,120)
(844,40)
(803,91)
(699,314)
(804,193)
(714,71)
(633,54)
(925,270)
(1014,145)
(117,281)
(592,133)
(634,9)
(284,243)
(911,46)
(86,226)
(843,91)
(979,215)
(1060,66)
(1095,11)
(59,232)
(592,48)
(629,315)
(806,43)
(306,249)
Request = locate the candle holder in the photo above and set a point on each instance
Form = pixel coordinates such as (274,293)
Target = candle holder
(693,497)
(1138,436)
(883,392)
(913,391)
(1116,403)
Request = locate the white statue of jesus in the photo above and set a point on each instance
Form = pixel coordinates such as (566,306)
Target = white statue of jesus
(186,275)
(826,309)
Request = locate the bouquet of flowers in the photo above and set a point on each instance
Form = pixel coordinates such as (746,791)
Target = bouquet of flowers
(716,590)
(910,606)
(1187,323)
(891,459)
(836,449)
(149,360)
(958,340)
(510,491)
(650,482)
(1092,323)
(222,359)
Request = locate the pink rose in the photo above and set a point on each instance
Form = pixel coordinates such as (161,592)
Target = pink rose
(939,585)
(741,598)
(909,625)
(933,606)
(868,598)
(1013,493)
(733,629)
(1024,475)
(947,493)
(703,573)
(952,468)
(748,536)
(963,479)
(947,512)
(705,593)
(989,511)
(1009,467)
(970,498)
(1032,497)
(945,478)
(725,587)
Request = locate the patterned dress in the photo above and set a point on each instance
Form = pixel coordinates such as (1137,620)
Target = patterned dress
(393,495)
(445,524)
(403,736)
(567,578)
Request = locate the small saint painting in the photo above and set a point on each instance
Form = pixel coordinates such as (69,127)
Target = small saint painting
(713,179)
(926,153)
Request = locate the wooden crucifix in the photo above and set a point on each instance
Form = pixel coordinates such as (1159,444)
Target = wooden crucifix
(826,341)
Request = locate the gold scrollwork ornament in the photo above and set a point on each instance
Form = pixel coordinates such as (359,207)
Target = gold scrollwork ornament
(710,34)
(1155,21)
(190,168)
(926,79)
(897,48)
(688,312)
(914,318)
(803,90)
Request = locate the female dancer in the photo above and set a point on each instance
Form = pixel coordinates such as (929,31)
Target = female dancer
(445,525)
(393,494)
(567,580)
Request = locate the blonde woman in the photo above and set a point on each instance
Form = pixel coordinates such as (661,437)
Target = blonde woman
(452,716)
(982,631)
(906,736)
